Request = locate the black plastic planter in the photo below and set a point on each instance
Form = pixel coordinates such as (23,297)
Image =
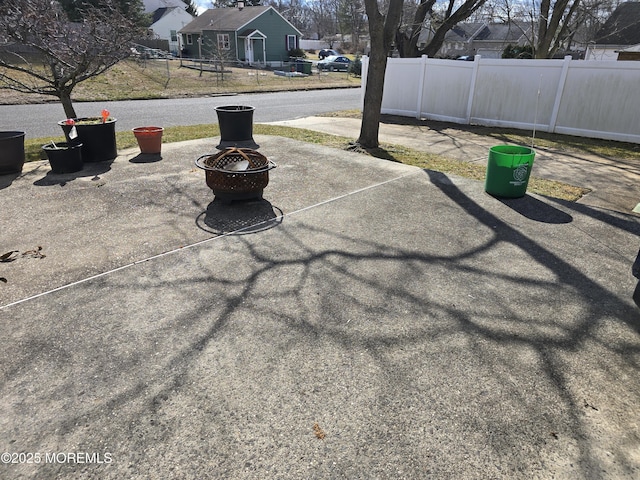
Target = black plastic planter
(64,158)
(236,127)
(98,139)
(11,152)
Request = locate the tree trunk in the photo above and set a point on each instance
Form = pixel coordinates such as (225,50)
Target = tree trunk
(370,127)
(381,31)
(65,99)
(548,34)
(407,40)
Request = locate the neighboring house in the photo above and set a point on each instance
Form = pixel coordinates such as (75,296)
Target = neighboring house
(251,35)
(486,39)
(152,5)
(621,32)
(631,53)
(167,22)
(167,18)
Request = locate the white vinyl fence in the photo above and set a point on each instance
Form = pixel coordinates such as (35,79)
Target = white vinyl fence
(574,97)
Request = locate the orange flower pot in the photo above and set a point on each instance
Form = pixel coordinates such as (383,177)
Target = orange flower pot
(149,139)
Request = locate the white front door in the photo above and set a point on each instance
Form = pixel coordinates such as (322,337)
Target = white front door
(248,50)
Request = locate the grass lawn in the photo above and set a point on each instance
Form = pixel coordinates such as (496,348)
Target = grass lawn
(139,80)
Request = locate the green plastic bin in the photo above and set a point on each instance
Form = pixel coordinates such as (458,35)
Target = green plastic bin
(508,170)
(303,66)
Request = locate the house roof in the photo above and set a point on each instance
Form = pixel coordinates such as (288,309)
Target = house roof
(161,12)
(622,27)
(158,14)
(227,19)
(153,5)
(496,32)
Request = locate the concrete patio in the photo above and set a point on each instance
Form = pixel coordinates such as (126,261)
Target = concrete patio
(366,319)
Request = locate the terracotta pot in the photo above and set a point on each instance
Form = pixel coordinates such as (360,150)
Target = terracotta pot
(149,139)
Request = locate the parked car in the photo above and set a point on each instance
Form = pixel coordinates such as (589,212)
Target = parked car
(335,63)
(327,52)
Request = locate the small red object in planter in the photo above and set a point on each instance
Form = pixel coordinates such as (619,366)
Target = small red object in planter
(105,115)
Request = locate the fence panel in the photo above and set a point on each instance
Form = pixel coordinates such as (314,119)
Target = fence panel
(602,101)
(402,87)
(591,99)
(446,90)
(508,97)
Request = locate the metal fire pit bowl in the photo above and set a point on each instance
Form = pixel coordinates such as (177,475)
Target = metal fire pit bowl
(236,173)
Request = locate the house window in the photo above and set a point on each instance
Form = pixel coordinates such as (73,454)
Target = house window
(174,36)
(189,39)
(291,42)
(223,41)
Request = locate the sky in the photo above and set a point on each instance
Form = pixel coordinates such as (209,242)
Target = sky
(202,5)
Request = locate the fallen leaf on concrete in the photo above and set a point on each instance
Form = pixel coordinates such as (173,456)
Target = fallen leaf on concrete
(35,253)
(588,405)
(554,435)
(8,257)
(3,280)
(318,431)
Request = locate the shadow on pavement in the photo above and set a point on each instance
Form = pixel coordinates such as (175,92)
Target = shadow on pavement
(146,158)
(92,169)
(534,209)
(239,218)
(7,180)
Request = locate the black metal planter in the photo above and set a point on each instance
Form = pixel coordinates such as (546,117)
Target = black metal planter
(11,152)
(236,127)
(64,158)
(98,139)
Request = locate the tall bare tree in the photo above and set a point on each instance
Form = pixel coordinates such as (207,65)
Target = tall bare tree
(59,53)
(191,7)
(443,20)
(322,16)
(554,21)
(550,26)
(382,28)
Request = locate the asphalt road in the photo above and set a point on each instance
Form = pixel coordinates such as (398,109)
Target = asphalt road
(41,120)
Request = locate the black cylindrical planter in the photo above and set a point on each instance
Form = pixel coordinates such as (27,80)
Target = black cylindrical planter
(64,158)
(11,152)
(98,139)
(236,127)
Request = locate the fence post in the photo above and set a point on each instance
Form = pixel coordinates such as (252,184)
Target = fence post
(423,74)
(363,79)
(559,92)
(472,87)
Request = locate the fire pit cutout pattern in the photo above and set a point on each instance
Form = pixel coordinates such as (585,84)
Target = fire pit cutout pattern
(236,173)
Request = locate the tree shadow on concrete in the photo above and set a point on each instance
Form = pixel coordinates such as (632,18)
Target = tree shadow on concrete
(413,357)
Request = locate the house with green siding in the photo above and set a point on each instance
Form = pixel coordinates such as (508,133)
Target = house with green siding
(254,35)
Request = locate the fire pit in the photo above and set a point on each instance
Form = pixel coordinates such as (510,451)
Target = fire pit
(236,173)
